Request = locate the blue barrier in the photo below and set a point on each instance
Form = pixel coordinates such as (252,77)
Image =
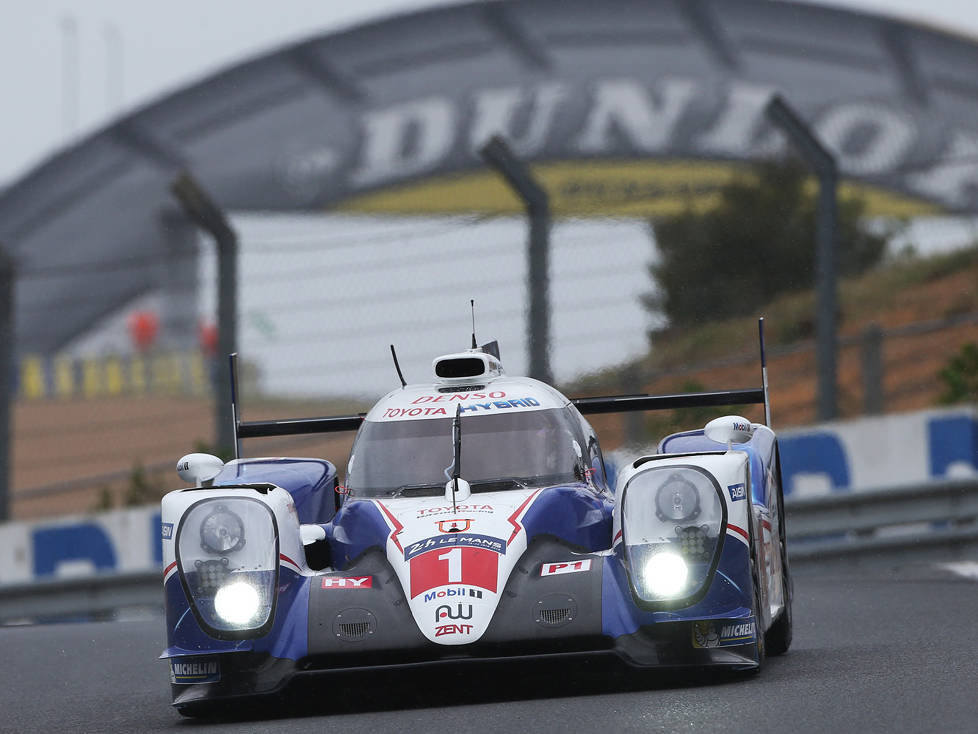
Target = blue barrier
(815,453)
(83,542)
(951,440)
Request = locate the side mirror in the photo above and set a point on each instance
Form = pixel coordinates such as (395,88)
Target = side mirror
(729,429)
(199,468)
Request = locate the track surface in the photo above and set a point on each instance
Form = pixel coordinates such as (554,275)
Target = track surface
(874,651)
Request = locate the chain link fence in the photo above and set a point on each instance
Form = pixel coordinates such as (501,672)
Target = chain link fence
(321,297)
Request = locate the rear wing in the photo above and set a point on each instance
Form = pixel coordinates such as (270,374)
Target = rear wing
(626,403)
(587,406)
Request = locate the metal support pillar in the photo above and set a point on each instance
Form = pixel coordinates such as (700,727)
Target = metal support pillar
(177,278)
(634,420)
(6,371)
(497,154)
(203,211)
(872,369)
(823,164)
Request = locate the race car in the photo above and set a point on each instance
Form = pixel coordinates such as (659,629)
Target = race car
(475,522)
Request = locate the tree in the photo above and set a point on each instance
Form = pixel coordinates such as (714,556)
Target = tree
(758,242)
(960,376)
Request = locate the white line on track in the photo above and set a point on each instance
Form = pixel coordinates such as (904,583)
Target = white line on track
(968,569)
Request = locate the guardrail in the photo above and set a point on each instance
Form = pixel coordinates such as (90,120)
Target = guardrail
(934,521)
(88,597)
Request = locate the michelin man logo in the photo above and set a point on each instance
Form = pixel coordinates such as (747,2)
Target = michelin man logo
(705,635)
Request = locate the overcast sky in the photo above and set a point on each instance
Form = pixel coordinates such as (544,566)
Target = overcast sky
(131,52)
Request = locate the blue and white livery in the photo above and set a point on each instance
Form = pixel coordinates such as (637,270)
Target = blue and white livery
(475,521)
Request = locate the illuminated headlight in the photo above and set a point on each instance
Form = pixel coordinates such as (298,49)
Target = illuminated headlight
(222,532)
(237,603)
(672,517)
(666,574)
(230,583)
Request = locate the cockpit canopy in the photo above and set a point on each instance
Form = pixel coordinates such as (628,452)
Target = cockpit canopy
(500,451)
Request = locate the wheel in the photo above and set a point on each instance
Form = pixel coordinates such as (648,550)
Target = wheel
(778,638)
(761,639)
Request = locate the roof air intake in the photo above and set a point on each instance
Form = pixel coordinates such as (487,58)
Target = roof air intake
(464,367)
(460,367)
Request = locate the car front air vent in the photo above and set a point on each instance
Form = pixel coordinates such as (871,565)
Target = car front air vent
(555,610)
(462,388)
(354,625)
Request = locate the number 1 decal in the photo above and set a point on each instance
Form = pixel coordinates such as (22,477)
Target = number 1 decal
(454,558)
(459,565)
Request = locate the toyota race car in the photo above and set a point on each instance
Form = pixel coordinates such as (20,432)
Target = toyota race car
(475,521)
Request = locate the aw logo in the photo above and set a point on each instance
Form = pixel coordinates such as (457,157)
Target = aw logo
(445,612)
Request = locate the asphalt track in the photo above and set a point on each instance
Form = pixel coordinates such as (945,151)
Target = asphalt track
(875,651)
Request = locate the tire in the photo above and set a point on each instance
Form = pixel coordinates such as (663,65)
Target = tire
(778,638)
(761,639)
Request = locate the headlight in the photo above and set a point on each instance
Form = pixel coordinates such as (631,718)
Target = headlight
(233,594)
(672,519)
(237,602)
(677,499)
(222,531)
(666,574)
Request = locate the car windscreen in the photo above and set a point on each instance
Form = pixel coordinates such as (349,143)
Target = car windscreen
(503,451)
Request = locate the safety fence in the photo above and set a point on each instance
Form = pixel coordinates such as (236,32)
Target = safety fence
(881,370)
(100,564)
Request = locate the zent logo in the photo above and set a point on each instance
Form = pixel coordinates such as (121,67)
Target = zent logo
(554,569)
(452,629)
(737,491)
(348,582)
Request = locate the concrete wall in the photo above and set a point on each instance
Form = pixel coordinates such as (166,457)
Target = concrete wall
(882,451)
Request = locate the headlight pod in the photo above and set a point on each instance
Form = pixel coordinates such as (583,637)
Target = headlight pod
(230,582)
(672,518)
